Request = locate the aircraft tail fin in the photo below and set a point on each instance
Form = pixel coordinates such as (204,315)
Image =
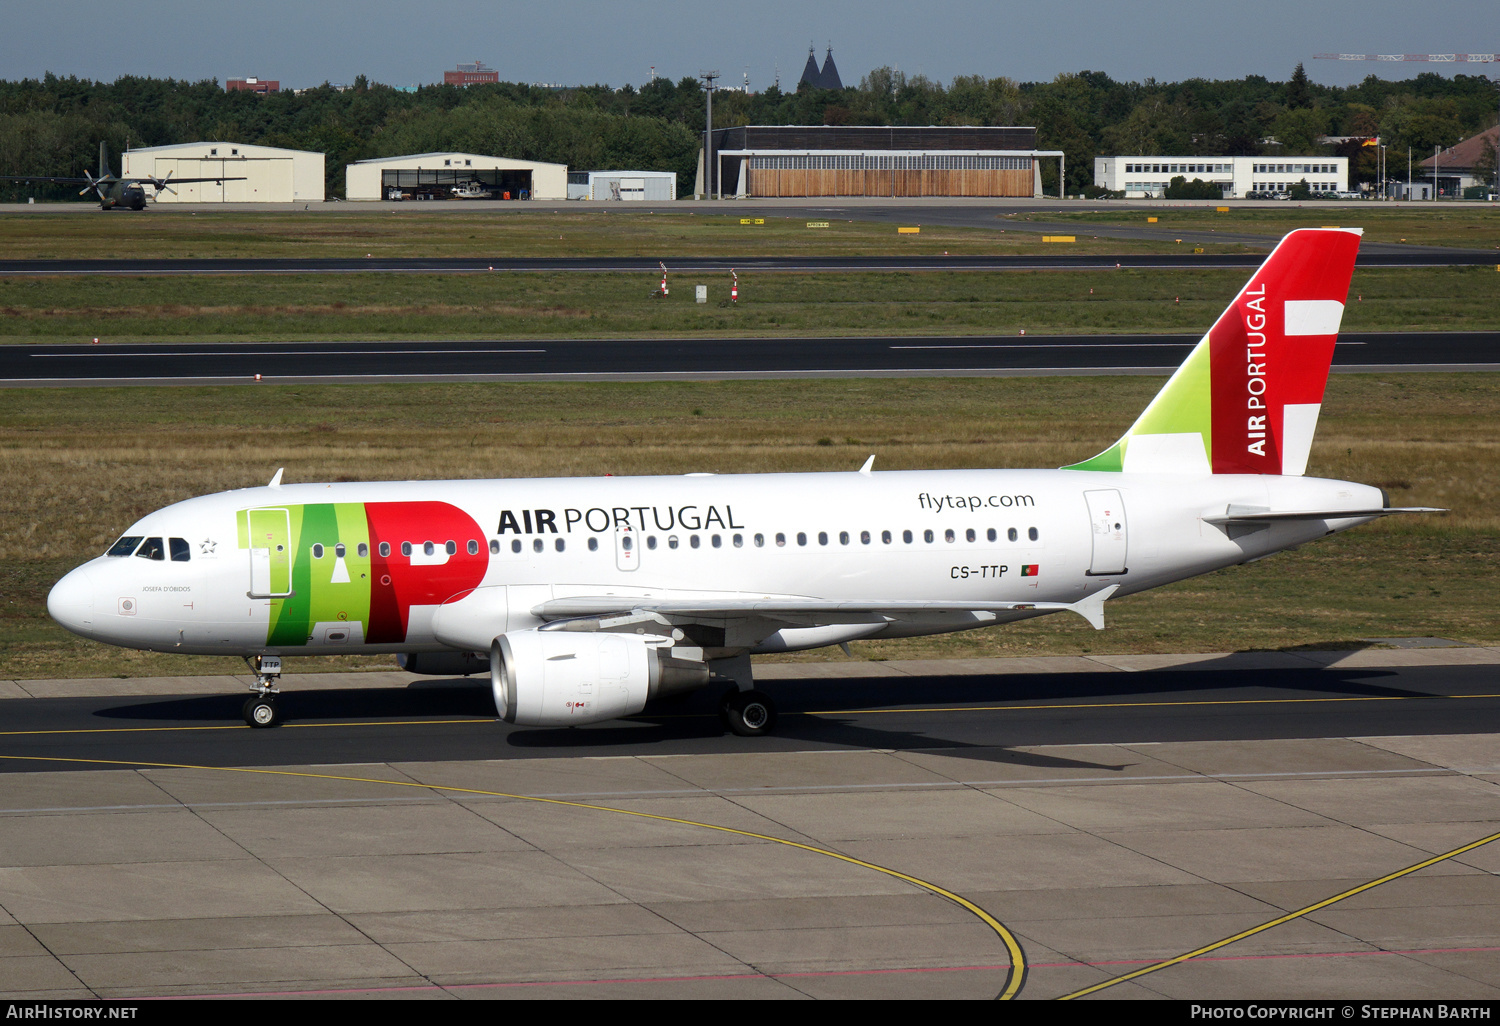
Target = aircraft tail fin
(103,159)
(1246,399)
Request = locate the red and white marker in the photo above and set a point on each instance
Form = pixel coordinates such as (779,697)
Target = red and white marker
(734,288)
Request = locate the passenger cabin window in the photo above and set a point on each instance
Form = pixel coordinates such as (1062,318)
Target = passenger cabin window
(125,546)
(318,551)
(494,547)
(451,548)
(1031,533)
(406,548)
(593,544)
(339,550)
(927,536)
(473,547)
(385,548)
(906,537)
(181,550)
(1011,534)
(536,546)
(152,549)
(363,550)
(515,545)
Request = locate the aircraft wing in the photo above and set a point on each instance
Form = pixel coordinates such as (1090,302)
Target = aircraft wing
(45,178)
(159,182)
(800,612)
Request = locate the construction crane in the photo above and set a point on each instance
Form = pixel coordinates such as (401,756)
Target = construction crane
(1431,58)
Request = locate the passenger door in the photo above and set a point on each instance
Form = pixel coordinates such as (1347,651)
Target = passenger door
(1107,517)
(270,553)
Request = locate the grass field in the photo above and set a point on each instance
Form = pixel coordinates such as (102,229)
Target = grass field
(1461,225)
(533,305)
(364,232)
(77,466)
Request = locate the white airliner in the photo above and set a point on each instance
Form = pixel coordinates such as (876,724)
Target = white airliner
(589,598)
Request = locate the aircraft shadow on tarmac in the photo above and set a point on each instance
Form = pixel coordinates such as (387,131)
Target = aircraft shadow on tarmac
(845,709)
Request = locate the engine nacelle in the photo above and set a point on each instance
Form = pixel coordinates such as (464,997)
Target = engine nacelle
(547,678)
(443,664)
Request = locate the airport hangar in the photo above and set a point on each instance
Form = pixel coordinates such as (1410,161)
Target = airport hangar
(437,175)
(267,174)
(759,161)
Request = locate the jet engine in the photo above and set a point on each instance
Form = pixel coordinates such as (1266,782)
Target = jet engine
(559,678)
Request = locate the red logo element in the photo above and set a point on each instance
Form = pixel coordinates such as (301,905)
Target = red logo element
(406,581)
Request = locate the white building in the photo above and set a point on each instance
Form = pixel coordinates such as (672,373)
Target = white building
(268,174)
(1148,177)
(649,186)
(441,176)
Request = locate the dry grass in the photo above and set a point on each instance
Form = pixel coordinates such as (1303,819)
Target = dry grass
(419,231)
(1461,225)
(77,466)
(327,307)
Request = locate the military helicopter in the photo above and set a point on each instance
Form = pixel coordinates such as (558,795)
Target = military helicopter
(115,192)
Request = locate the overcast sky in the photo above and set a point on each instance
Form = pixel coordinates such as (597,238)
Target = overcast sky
(572,42)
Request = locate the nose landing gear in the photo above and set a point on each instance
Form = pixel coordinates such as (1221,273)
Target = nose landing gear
(260,708)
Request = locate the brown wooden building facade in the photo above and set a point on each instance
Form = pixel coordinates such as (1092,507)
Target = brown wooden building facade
(794,161)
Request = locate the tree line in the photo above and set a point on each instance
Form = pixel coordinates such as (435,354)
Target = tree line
(53,126)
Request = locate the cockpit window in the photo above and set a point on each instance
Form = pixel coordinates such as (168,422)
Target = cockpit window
(181,552)
(152,548)
(125,546)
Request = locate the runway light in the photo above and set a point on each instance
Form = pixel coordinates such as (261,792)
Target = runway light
(257,377)
(96,341)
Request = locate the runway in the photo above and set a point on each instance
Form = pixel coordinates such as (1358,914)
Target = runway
(1050,827)
(685,358)
(1371,255)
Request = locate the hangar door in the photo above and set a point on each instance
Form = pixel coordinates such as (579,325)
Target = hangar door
(265,180)
(442,183)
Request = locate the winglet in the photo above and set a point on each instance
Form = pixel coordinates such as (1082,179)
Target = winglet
(1092,608)
(869,463)
(276,481)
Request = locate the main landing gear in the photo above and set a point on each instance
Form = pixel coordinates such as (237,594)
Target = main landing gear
(748,713)
(260,708)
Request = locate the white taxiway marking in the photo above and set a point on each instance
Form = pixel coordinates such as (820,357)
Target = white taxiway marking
(289,352)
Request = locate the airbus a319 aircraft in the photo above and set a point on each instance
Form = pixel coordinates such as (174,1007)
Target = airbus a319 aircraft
(586,599)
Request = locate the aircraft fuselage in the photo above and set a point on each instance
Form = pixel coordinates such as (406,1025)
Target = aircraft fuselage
(443,566)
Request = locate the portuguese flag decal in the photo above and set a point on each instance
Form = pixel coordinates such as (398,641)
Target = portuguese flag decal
(1030,569)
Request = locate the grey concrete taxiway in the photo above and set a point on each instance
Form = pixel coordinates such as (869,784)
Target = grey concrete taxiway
(773,873)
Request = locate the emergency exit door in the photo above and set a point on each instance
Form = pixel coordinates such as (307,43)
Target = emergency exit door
(1107,517)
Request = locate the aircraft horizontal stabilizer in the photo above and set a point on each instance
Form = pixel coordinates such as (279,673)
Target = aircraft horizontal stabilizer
(1234,516)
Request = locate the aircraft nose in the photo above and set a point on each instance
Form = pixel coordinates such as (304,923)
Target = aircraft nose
(71,601)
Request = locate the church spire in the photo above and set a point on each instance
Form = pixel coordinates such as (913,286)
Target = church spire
(828,78)
(810,73)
